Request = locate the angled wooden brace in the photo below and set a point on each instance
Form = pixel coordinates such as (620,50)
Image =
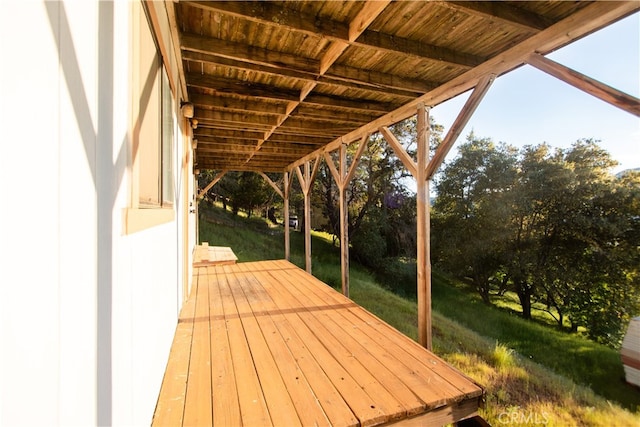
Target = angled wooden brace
(213,182)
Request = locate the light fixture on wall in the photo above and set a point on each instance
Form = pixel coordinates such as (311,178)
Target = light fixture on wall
(194,123)
(187,109)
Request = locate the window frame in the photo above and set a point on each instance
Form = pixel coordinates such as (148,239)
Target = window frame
(151,210)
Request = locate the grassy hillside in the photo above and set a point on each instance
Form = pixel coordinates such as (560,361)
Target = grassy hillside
(530,386)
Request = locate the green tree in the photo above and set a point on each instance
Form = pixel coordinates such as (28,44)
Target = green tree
(553,225)
(245,190)
(470,216)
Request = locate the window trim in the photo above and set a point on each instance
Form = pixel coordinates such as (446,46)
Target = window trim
(140,216)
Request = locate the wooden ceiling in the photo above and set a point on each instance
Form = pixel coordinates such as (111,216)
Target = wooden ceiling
(274,82)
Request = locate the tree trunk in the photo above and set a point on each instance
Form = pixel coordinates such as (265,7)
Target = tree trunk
(574,327)
(524,295)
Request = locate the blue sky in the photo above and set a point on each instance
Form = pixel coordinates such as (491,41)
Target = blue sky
(527,106)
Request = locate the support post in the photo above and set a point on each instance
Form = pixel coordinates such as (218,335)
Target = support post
(423,256)
(197,205)
(343,175)
(344,222)
(287,240)
(306,182)
(307,217)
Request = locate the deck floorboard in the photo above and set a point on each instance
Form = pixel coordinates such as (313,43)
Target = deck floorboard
(265,343)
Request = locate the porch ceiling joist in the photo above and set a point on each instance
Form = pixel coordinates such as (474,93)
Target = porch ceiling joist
(583,22)
(310,75)
(342,77)
(505,12)
(272,14)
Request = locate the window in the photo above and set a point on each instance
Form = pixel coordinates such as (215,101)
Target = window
(154,125)
(167,141)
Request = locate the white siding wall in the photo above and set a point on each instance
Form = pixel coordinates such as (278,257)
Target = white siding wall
(87,312)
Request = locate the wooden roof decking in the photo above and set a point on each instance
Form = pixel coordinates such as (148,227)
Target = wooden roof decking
(265,343)
(274,81)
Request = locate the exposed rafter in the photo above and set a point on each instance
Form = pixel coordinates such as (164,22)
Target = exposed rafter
(236,105)
(388,43)
(239,87)
(372,83)
(247,53)
(586,20)
(613,96)
(308,76)
(340,34)
(504,12)
(274,14)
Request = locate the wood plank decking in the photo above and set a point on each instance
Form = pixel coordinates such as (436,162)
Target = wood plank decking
(204,255)
(265,343)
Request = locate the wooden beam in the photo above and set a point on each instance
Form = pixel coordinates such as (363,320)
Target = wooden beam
(222,133)
(351,103)
(213,182)
(335,50)
(343,177)
(504,12)
(288,179)
(311,125)
(372,81)
(306,180)
(344,222)
(303,133)
(325,113)
(356,158)
(224,103)
(239,87)
(233,126)
(278,137)
(206,147)
(585,21)
(604,92)
(272,184)
(378,79)
(175,35)
(423,256)
(247,53)
(365,17)
(416,49)
(332,167)
(335,31)
(272,14)
(231,117)
(402,154)
(458,125)
(266,158)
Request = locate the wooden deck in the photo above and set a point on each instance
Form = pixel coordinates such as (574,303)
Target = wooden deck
(205,255)
(265,343)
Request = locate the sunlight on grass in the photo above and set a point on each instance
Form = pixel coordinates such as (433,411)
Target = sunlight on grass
(502,356)
(499,350)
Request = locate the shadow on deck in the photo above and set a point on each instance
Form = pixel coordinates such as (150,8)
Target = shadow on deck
(265,343)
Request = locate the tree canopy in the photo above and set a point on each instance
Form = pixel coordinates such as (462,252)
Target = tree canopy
(554,226)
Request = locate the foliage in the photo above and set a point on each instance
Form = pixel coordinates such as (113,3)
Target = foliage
(470,218)
(241,190)
(520,373)
(381,209)
(553,225)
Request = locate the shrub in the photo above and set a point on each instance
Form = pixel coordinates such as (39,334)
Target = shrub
(398,275)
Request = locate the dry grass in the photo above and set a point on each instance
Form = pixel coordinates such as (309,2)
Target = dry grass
(521,392)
